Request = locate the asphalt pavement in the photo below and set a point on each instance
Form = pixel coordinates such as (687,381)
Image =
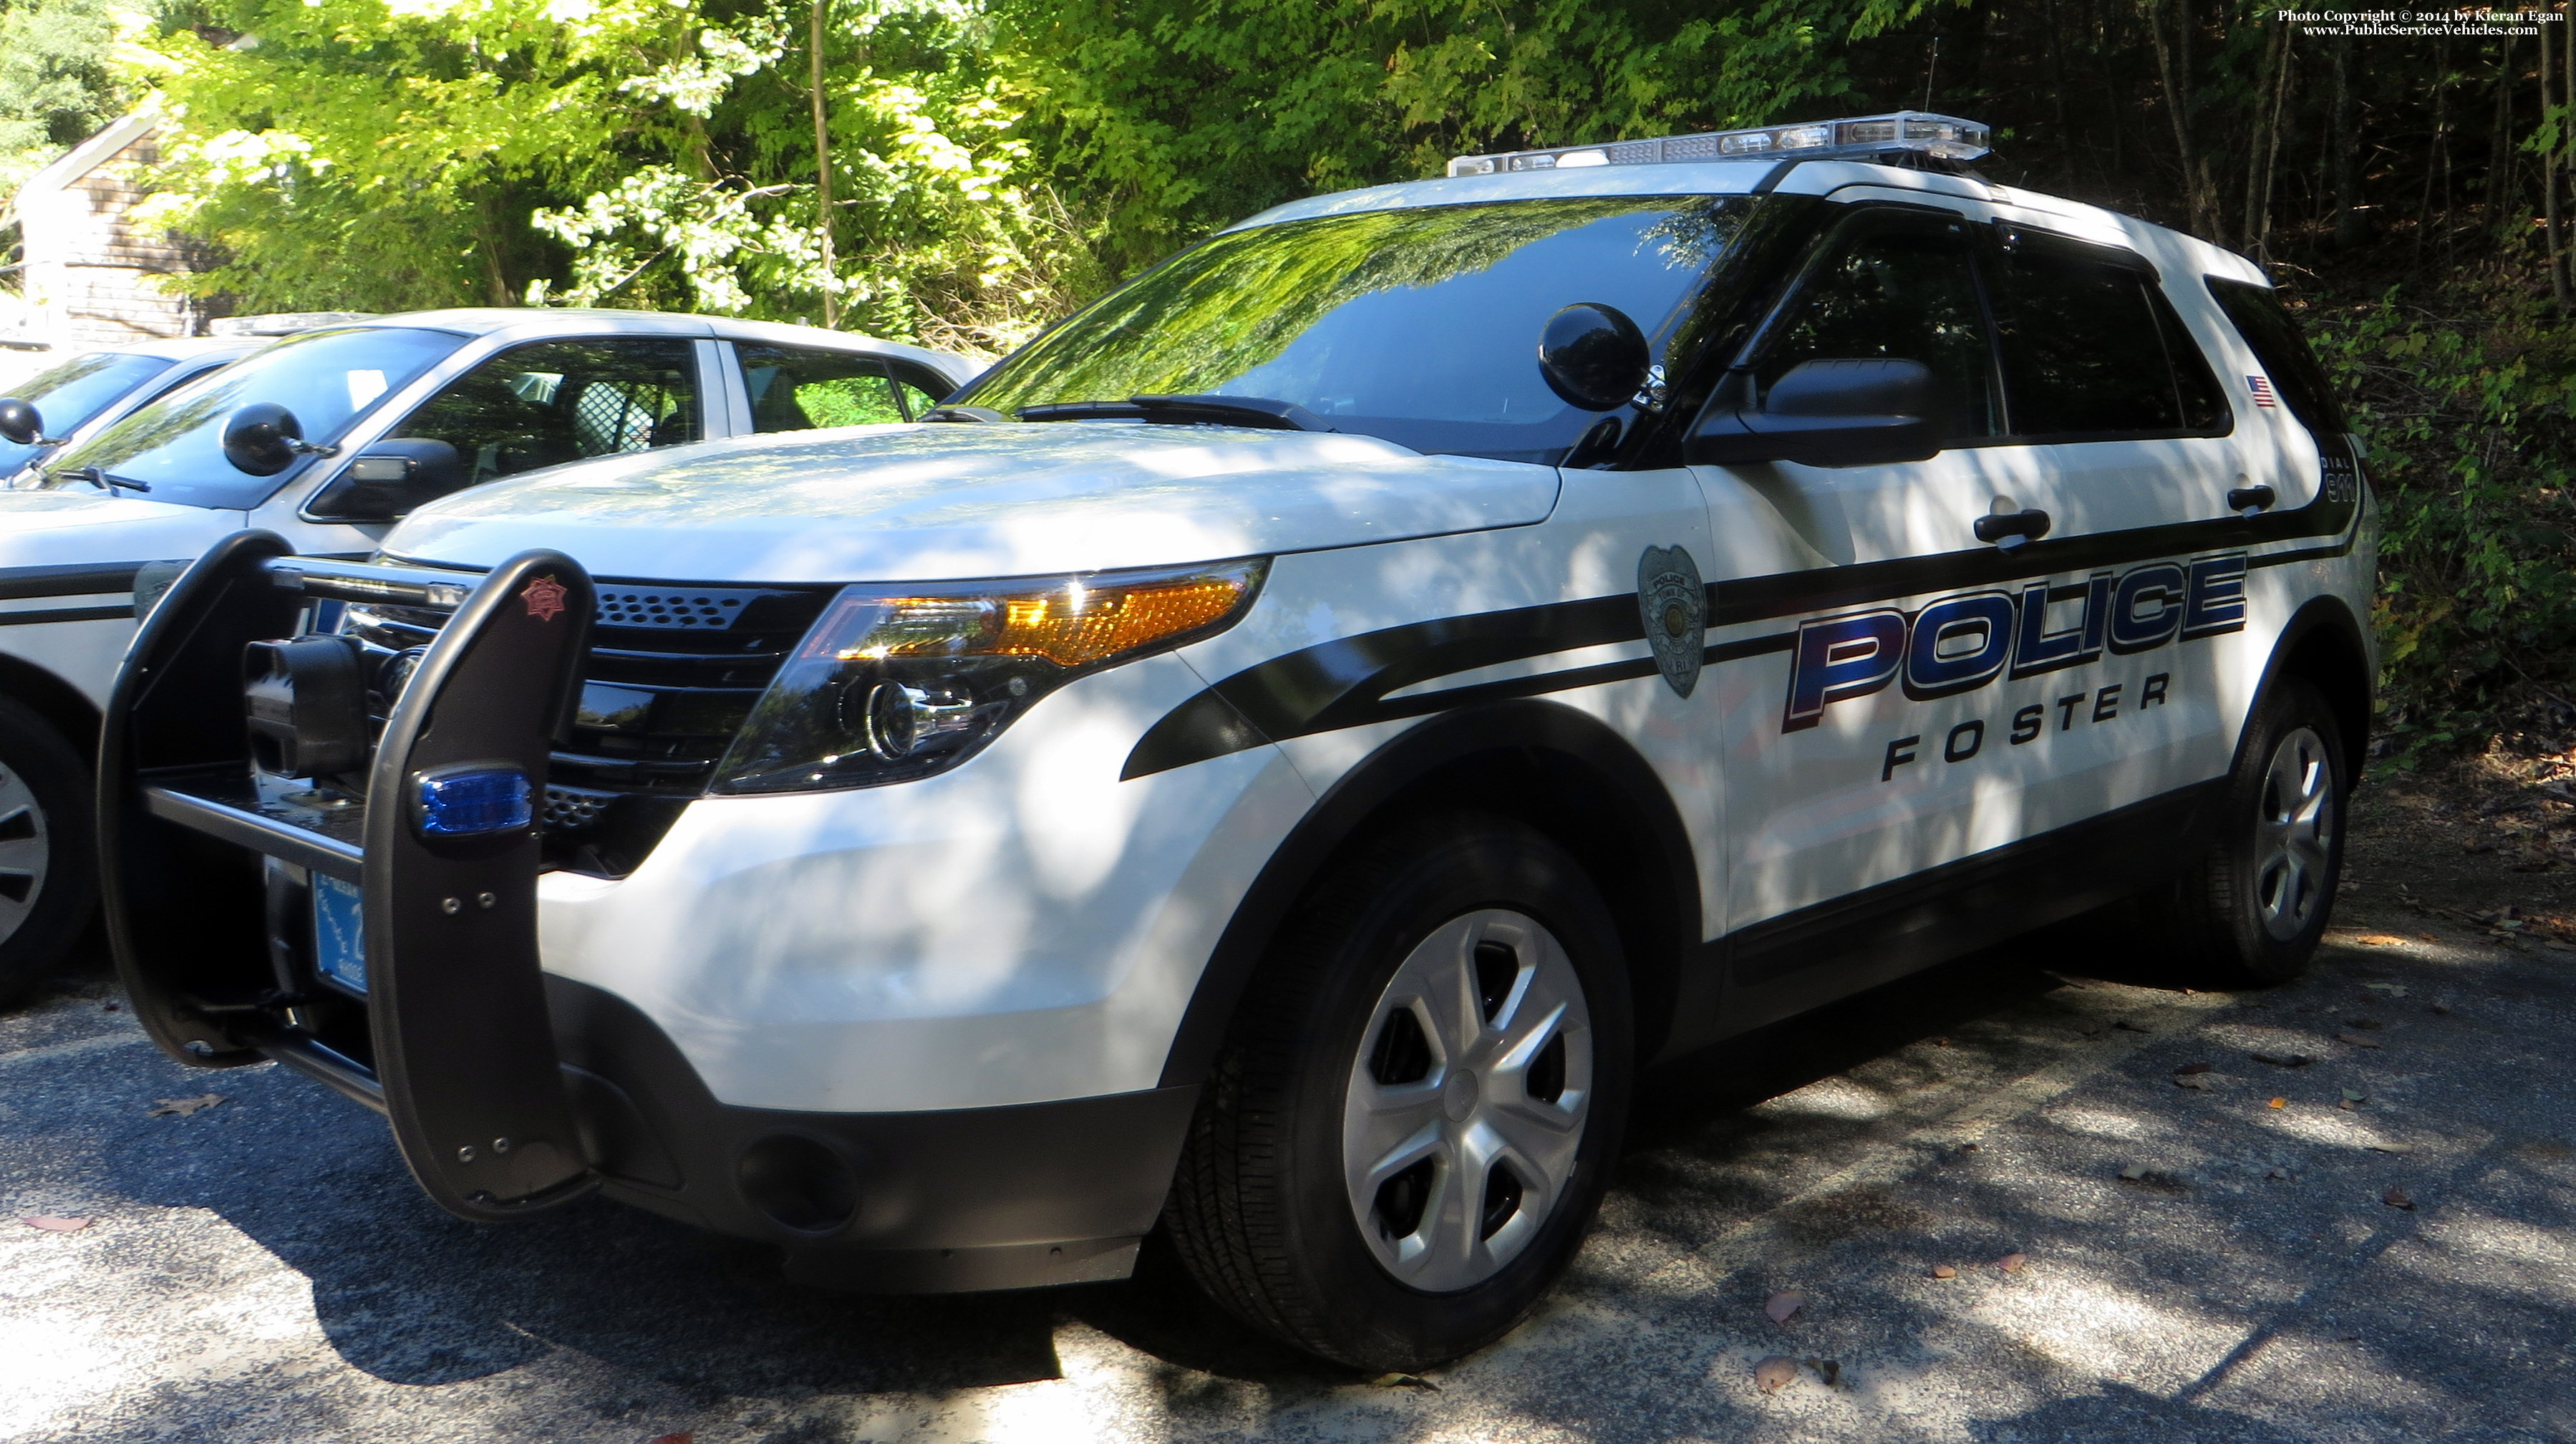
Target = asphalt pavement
(2190,1260)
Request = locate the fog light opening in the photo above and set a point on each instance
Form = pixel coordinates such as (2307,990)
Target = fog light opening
(798,1183)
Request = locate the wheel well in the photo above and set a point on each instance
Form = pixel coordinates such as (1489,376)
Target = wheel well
(1557,770)
(1586,813)
(57,701)
(2328,656)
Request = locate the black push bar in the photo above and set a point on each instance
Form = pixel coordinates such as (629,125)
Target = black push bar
(211,865)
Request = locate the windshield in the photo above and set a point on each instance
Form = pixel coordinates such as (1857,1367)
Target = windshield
(327,378)
(1418,326)
(75,391)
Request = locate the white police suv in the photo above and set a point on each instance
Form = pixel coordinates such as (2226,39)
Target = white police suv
(1277,756)
(326,438)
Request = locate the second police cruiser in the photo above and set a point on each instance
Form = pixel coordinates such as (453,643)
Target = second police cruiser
(1275,758)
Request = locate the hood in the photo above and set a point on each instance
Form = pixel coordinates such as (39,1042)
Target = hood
(54,528)
(952,500)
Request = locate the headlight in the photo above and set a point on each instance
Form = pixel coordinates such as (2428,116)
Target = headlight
(900,681)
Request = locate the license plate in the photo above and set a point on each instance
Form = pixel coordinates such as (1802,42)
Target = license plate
(340,932)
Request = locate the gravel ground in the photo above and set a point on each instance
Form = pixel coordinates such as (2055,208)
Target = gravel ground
(2196,1263)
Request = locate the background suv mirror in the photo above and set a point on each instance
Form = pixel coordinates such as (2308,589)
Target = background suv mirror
(1862,412)
(261,438)
(388,479)
(19,422)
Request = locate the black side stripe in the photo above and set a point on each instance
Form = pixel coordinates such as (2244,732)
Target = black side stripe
(1345,683)
(66,614)
(79,579)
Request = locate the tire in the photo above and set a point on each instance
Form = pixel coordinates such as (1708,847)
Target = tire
(48,855)
(1345,1229)
(2249,910)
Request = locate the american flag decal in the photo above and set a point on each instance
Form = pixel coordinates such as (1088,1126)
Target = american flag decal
(2262,389)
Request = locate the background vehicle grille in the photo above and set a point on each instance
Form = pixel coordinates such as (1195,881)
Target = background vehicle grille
(673,672)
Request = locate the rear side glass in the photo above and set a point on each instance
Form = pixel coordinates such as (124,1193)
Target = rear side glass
(1907,293)
(795,389)
(2273,336)
(2084,348)
(2204,401)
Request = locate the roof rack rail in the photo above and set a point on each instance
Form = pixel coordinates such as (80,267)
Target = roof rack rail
(1906,133)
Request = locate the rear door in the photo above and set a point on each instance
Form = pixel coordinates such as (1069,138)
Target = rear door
(1911,695)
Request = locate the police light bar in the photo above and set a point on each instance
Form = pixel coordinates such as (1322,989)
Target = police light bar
(1865,136)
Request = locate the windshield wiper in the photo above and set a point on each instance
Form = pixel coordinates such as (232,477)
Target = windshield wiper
(104,479)
(1254,411)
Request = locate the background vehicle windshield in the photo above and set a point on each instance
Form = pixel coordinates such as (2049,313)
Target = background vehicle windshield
(75,391)
(327,378)
(1418,326)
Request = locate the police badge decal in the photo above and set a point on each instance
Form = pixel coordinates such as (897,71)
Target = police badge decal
(1674,605)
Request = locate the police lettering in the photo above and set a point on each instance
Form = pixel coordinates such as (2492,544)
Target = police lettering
(1969,737)
(1961,643)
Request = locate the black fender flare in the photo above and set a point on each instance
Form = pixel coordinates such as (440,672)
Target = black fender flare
(2332,617)
(1533,734)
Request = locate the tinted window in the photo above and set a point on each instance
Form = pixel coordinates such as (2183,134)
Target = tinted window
(558,401)
(793,389)
(2084,340)
(1906,292)
(2268,328)
(327,378)
(2204,401)
(70,394)
(1419,325)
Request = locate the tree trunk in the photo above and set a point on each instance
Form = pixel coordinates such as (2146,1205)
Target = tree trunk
(2433,158)
(2549,189)
(2348,228)
(2266,111)
(823,176)
(2500,141)
(2057,93)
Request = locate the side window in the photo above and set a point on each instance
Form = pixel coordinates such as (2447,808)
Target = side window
(2091,348)
(1906,292)
(794,389)
(557,401)
(2259,316)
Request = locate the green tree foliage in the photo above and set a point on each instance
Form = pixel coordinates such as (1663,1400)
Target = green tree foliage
(56,85)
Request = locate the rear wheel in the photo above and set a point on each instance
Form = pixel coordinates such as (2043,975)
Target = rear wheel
(1416,1111)
(48,874)
(2251,909)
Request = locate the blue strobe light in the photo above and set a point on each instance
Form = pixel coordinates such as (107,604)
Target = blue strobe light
(473,801)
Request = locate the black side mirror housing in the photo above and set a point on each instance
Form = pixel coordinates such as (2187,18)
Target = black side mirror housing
(19,422)
(262,439)
(388,479)
(1862,412)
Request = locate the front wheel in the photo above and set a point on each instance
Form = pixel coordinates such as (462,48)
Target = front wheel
(1415,1114)
(2251,908)
(48,874)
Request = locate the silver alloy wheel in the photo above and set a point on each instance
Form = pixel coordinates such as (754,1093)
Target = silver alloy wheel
(26,846)
(1467,1101)
(2294,834)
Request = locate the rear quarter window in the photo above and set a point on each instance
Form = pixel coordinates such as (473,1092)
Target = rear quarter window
(2092,349)
(2272,334)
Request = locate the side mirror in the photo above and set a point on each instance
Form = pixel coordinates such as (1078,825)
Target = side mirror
(20,423)
(1593,357)
(388,479)
(1824,413)
(263,438)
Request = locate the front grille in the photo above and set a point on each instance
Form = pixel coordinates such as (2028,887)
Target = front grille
(672,674)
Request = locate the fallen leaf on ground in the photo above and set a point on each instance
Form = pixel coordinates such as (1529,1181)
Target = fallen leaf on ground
(2380,940)
(2187,1069)
(2366,1023)
(2281,1173)
(2278,1103)
(2089,1030)
(55,1223)
(2392,1148)
(2393,990)
(2192,1080)
(2011,1263)
(2355,1095)
(1829,1370)
(677,1439)
(183,1107)
(2134,1171)
(2283,1060)
(2397,1197)
(2428,937)
(2125,1026)
(1775,1373)
(1944,1271)
(1782,1305)
(2358,1040)
(1404,1381)
(2443,1009)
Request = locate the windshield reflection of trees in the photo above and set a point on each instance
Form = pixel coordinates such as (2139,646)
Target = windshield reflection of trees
(1238,303)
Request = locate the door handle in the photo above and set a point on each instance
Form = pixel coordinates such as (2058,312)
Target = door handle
(2251,501)
(2009,529)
